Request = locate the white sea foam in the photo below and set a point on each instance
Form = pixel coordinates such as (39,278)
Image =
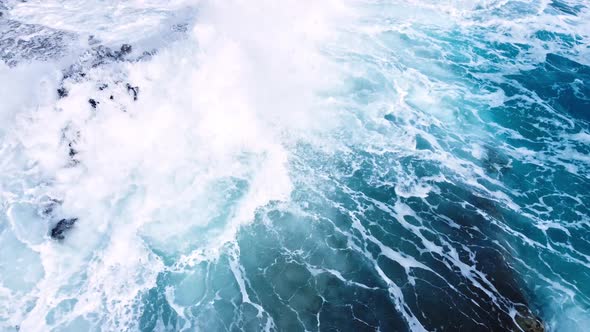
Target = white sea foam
(164,183)
(180,169)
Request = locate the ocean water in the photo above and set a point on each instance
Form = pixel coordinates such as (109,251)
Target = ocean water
(294,165)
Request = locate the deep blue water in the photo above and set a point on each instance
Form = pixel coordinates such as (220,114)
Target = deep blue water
(295,166)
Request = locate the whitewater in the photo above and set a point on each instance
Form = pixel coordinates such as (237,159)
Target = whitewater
(294,165)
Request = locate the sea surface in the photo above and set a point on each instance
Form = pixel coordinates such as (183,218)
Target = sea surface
(295,165)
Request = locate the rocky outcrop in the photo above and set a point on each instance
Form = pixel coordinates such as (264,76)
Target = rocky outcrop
(62,227)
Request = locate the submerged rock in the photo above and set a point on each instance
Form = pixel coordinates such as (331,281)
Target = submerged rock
(528,322)
(482,246)
(62,227)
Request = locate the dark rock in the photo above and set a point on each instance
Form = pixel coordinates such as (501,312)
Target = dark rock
(103,52)
(93,103)
(99,55)
(134,90)
(62,227)
(125,49)
(103,86)
(111,97)
(481,244)
(122,52)
(62,92)
(72,152)
(528,322)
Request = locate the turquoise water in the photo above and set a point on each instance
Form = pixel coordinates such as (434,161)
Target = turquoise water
(302,166)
